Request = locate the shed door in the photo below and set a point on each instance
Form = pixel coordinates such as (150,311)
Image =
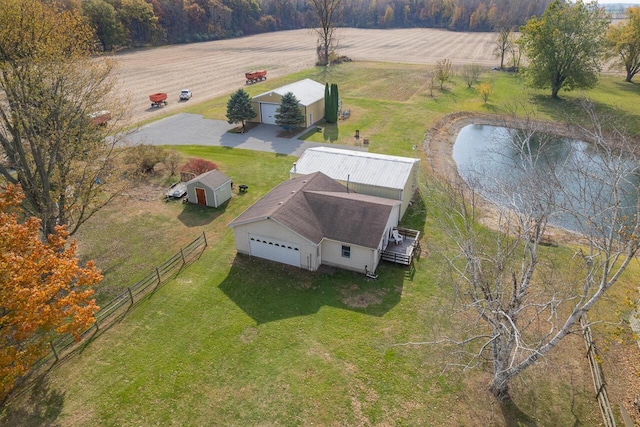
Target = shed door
(268,113)
(274,250)
(201,196)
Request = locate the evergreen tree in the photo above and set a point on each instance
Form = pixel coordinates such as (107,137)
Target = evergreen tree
(327,103)
(239,108)
(331,103)
(288,114)
(335,100)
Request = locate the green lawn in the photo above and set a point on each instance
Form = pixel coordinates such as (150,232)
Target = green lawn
(235,341)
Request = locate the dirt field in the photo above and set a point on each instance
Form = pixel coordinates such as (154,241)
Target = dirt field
(216,68)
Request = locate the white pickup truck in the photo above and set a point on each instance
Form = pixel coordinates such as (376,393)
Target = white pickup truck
(185,94)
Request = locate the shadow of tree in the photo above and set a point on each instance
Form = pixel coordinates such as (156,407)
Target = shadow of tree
(41,405)
(513,416)
(267,291)
(574,112)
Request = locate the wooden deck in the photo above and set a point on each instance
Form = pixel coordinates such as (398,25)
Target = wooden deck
(403,253)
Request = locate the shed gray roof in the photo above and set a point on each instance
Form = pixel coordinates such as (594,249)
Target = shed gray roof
(356,166)
(212,179)
(316,207)
(306,91)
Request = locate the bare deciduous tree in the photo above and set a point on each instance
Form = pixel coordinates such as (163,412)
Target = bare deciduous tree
(431,81)
(328,14)
(503,44)
(470,73)
(525,302)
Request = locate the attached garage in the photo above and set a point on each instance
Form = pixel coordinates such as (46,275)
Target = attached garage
(313,220)
(274,250)
(309,93)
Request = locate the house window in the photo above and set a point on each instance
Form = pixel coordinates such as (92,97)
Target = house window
(346,251)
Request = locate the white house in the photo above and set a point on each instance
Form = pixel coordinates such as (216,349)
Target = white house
(380,175)
(211,188)
(310,96)
(313,220)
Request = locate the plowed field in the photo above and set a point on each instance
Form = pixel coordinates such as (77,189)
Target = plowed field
(215,68)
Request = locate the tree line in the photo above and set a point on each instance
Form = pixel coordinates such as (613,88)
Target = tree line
(131,23)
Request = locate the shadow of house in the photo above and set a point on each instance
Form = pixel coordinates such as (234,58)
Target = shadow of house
(268,291)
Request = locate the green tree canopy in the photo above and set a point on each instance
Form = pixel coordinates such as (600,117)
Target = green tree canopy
(288,114)
(104,19)
(564,46)
(624,42)
(239,108)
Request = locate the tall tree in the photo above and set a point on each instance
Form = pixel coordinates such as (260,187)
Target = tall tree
(503,44)
(565,46)
(239,108)
(288,114)
(52,85)
(624,42)
(525,302)
(43,290)
(328,14)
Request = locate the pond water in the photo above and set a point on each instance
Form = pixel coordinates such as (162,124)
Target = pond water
(581,184)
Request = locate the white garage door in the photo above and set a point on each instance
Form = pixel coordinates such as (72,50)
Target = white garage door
(268,113)
(275,250)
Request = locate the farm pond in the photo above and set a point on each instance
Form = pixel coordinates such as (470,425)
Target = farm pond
(579,183)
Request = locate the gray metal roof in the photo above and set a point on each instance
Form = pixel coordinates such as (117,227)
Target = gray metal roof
(356,166)
(306,91)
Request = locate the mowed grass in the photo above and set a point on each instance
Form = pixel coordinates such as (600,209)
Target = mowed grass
(236,341)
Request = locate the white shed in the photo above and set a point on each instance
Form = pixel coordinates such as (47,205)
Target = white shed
(380,175)
(211,188)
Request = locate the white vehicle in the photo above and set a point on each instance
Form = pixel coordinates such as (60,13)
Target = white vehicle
(185,94)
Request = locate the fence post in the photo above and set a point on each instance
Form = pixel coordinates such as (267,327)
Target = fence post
(130,296)
(182,255)
(158,274)
(205,239)
(97,325)
(53,348)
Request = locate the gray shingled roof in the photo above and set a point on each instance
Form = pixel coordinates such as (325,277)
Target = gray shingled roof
(316,207)
(212,179)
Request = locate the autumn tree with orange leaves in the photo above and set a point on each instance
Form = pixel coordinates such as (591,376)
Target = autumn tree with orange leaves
(43,290)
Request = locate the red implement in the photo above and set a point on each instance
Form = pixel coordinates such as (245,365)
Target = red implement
(256,76)
(158,99)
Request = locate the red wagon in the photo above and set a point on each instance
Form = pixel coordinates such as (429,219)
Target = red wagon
(255,76)
(158,99)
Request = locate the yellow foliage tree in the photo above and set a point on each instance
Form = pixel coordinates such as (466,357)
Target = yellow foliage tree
(485,90)
(43,290)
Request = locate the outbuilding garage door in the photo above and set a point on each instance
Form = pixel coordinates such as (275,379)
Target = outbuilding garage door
(275,250)
(268,113)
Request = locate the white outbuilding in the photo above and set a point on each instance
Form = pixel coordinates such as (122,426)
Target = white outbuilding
(211,188)
(310,96)
(380,175)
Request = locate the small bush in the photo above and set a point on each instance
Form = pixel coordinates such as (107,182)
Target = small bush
(198,166)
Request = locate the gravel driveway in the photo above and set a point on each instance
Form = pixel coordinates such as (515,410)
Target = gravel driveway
(193,129)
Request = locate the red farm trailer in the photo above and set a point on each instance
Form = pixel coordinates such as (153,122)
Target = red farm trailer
(255,76)
(158,99)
